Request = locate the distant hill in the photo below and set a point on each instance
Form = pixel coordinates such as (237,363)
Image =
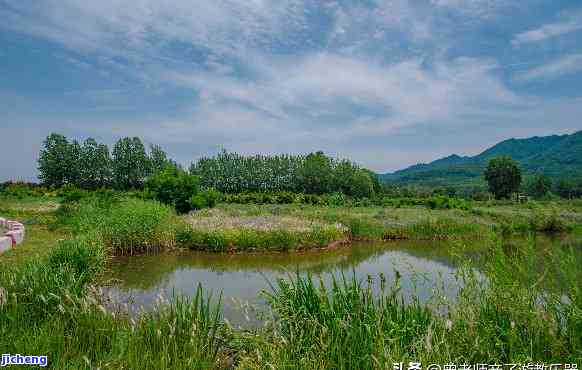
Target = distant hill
(555,156)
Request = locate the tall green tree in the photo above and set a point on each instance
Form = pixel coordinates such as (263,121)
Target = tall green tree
(351,180)
(503,176)
(74,164)
(95,165)
(375,180)
(565,188)
(130,163)
(158,160)
(316,174)
(361,185)
(343,174)
(539,186)
(54,161)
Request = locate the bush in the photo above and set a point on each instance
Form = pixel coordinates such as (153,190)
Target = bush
(22,190)
(442,202)
(547,223)
(71,194)
(285,197)
(174,187)
(336,199)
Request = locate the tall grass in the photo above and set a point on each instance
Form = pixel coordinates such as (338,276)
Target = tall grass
(520,308)
(343,326)
(126,226)
(249,239)
(48,307)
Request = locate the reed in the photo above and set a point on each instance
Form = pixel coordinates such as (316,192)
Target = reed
(516,308)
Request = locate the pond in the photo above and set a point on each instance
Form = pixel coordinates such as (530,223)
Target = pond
(426,269)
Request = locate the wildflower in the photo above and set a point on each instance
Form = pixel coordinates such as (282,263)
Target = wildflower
(159,332)
(513,324)
(449,325)
(61,308)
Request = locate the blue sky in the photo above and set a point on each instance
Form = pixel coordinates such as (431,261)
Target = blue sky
(385,83)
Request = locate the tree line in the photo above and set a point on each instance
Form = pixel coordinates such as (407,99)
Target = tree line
(315,173)
(91,165)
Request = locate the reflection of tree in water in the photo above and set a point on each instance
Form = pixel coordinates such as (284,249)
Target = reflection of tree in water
(147,271)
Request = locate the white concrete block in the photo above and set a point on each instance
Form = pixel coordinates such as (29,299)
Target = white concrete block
(17,236)
(5,244)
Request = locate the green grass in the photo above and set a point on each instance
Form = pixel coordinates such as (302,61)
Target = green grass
(39,241)
(35,214)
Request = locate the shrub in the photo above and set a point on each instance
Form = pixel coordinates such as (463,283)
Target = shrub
(71,194)
(285,197)
(22,190)
(211,197)
(547,223)
(335,199)
(174,187)
(443,202)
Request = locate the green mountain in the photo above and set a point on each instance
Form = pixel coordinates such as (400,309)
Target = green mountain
(555,156)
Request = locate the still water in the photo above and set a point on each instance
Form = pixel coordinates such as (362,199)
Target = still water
(425,269)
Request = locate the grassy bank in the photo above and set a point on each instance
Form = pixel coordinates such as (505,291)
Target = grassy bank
(36,213)
(217,230)
(316,226)
(232,227)
(48,304)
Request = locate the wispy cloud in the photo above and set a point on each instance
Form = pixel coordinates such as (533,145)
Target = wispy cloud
(569,23)
(131,29)
(565,65)
(476,8)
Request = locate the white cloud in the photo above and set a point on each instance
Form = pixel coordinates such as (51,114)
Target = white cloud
(132,29)
(475,8)
(565,65)
(379,97)
(571,23)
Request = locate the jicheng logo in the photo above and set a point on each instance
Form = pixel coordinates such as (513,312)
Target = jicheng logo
(18,359)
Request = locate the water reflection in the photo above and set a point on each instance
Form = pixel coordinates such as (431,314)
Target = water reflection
(423,267)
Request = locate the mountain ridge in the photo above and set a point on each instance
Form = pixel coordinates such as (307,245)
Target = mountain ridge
(554,155)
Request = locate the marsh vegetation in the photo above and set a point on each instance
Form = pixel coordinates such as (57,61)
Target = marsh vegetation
(530,309)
